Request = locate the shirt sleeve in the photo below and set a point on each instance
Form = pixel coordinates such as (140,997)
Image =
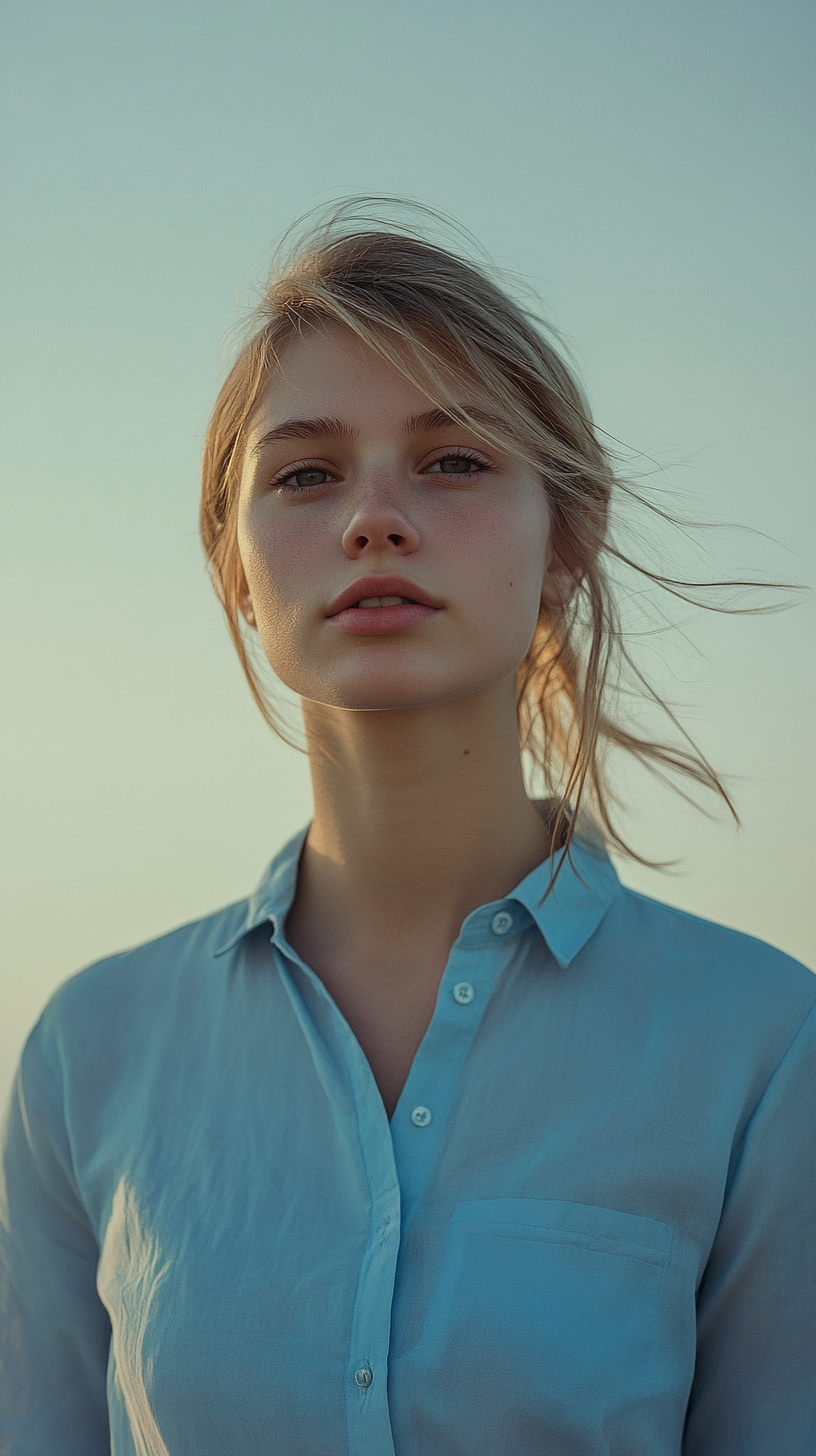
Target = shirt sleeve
(54,1330)
(754,1389)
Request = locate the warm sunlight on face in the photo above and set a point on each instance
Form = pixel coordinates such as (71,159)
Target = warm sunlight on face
(392,558)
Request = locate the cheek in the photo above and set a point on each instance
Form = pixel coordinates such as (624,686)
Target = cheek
(272,577)
(502,564)
(273,560)
(283,557)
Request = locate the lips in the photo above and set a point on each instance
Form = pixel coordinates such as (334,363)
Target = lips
(371,590)
(379,605)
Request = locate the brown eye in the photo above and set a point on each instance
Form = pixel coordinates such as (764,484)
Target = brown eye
(456,465)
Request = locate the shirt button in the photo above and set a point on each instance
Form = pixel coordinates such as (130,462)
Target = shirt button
(363,1377)
(464,993)
(501,923)
(421,1116)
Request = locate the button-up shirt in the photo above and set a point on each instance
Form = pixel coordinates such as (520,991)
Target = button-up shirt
(588,1229)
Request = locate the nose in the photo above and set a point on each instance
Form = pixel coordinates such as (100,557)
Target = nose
(379,525)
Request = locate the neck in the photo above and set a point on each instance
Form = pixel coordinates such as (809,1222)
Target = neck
(421,815)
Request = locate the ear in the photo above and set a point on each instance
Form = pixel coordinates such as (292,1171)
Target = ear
(245,606)
(560,584)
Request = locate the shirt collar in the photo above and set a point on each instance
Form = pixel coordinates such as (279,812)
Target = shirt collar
(272,899)
(584,885)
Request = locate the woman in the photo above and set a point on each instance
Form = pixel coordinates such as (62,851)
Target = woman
(442,1141)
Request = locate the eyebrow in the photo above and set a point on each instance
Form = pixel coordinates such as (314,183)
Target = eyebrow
(326,428)
(329,427)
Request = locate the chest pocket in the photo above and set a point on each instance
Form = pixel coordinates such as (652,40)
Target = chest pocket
(548,1322)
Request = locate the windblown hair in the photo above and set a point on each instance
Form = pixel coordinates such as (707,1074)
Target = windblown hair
(430,312)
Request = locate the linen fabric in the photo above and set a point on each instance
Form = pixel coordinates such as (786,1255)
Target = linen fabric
(588,1230)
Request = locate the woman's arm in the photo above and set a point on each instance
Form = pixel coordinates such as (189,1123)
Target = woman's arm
(754,1390)
(54,1330)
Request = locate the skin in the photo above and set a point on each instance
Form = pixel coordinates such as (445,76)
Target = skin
(420,809)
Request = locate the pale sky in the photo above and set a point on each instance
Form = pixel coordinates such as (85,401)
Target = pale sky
(647,168)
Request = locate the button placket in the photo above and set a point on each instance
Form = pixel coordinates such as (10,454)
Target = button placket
(421,1116)
(419,1123)
(463,993)
(368,1424)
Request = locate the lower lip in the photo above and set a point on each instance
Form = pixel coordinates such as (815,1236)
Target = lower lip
(379,621)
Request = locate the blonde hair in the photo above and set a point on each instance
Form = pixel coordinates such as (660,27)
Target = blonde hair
(427,311)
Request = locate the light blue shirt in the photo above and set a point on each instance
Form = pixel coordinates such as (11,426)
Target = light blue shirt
(588,1230)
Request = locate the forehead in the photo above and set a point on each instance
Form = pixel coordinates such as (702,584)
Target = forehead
(330,371)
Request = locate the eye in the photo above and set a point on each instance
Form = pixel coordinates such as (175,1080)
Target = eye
(303,477)
(309,477)
(459,462)
(457,465)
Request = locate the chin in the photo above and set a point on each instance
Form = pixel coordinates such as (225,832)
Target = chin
(383,691)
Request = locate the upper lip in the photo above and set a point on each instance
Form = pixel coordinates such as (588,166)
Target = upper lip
(381,586)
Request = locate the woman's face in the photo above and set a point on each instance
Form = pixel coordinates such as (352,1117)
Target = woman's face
(392,559)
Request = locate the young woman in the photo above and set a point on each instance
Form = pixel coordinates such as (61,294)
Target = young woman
(442,1143)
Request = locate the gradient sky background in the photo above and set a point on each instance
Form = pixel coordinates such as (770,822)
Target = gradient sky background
(646,167)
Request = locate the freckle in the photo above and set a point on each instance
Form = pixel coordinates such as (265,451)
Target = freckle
(467,750)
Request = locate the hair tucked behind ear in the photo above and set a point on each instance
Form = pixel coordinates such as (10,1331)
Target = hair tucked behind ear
(425,309)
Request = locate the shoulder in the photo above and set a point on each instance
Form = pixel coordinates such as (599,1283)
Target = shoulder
(143,988)
(690,937)
(729,977)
